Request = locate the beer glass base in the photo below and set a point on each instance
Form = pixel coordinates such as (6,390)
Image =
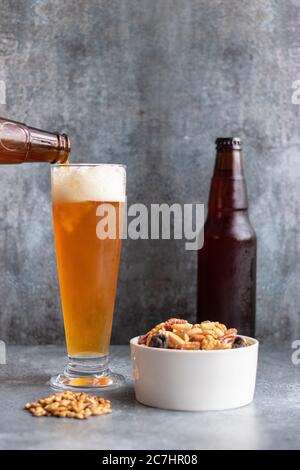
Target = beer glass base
(87,375)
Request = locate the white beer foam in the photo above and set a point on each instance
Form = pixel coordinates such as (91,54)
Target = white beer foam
(88,183)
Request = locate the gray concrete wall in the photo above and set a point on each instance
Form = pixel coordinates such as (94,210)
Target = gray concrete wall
(151,83)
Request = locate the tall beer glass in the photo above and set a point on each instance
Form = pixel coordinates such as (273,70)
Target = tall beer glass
(88,208)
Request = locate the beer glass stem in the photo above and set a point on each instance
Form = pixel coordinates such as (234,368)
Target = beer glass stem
(87,374)
(86,366)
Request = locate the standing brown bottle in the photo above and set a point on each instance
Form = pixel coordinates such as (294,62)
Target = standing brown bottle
(20,144)
(227,261)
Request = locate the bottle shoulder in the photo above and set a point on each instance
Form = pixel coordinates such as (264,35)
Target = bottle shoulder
(235,225)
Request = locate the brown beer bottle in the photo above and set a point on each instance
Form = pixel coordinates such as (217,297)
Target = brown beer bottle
(20,143)
(227,261)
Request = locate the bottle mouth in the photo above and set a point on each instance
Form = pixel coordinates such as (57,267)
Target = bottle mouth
(64,148)
(233,143)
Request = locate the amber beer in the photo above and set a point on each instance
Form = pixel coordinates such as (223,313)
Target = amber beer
(227,261)
(87,265)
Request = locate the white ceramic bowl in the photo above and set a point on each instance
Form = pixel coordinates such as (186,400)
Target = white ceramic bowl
(194,380)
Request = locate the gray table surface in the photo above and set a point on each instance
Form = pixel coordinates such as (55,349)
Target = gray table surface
(271,421)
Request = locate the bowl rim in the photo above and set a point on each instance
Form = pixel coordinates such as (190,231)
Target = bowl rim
(254,345)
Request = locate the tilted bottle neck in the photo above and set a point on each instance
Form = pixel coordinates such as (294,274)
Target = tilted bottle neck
(20,143)
(228,190)
(47,147)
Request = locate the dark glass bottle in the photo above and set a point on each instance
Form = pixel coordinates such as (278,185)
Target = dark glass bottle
(21,144)
(227,261)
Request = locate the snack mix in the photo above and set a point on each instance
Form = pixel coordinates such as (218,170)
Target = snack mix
(180,334)
(69,405)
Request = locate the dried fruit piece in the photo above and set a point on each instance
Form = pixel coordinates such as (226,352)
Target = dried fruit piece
(159,341)
(239,342)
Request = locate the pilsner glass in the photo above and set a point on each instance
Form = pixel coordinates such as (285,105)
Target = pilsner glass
(88,267)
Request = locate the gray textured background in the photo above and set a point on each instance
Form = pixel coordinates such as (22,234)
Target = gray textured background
(151,83)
